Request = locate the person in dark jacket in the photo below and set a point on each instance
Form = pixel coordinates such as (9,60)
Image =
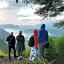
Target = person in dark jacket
(20,44)
(42,40)
(11,44)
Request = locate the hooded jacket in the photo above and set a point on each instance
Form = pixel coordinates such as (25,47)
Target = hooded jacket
(42,35)
(35,38)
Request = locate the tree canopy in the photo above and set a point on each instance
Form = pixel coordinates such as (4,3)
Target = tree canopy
(47,7)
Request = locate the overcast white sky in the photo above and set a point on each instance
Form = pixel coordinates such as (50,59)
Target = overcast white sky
(17,13)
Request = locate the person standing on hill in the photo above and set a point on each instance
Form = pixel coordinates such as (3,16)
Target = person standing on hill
(42,41)
(11,44)
(34,45)
(20,44)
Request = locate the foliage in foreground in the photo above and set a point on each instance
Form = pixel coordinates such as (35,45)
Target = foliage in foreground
(47,7)
(60,46)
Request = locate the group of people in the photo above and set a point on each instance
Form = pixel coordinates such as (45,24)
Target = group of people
(40,39)
(37,42)
(20,46)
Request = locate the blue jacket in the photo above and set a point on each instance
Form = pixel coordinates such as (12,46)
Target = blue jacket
(42,35)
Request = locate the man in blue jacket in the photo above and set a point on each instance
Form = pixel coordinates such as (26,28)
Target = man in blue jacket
(42,40)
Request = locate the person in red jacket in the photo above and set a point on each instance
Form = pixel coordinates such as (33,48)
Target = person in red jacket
(35,37)
(33,53)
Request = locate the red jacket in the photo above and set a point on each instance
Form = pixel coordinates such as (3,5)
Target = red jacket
(35,38)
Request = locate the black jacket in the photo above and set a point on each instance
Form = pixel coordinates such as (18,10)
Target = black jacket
(11,40)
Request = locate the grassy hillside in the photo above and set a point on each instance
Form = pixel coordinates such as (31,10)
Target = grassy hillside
(3,45)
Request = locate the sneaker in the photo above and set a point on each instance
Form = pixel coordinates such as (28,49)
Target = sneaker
(18,58)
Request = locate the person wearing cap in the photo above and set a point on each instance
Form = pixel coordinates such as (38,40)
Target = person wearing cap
(34,48)
(20,44)
(42,41)
(11,44)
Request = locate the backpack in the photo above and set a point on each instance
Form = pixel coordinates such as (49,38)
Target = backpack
(31,41)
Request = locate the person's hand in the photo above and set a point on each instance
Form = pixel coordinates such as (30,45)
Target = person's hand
(47,42)
(38,43)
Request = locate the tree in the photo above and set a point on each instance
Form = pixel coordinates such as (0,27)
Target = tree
(48,7)
(16,1)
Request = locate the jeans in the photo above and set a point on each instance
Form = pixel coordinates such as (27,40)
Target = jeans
(33,53)
(41,48)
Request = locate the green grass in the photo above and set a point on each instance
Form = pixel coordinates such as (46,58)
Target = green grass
(3,53)
(27,51)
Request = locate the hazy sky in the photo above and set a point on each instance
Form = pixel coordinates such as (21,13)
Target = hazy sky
(18,13)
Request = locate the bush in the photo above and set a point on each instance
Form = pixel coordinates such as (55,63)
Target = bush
(51,51)
(27,51)
(60,46)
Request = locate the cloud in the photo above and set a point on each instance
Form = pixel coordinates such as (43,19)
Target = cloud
(3,4)
(26,11)
(8,17)
(29,22)
(17,13)
(11,4)
(27,16)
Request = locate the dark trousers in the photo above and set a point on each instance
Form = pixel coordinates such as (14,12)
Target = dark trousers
(12,47)
(19,53)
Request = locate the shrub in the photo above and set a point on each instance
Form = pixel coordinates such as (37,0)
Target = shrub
(27,51)
(51,49)
(60,46)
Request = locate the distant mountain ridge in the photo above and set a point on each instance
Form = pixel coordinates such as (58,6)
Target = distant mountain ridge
(3,34)
(10,26)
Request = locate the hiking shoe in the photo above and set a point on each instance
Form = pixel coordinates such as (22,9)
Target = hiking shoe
(18,58)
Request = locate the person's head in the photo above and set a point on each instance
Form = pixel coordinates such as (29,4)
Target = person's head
(11,33)
(43,26)
(35,32)
(20,32)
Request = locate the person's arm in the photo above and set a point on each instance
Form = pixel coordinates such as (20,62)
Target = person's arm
(38,37)
(7,39)
(17,38)
(23,39)
(47,37)
(14,40)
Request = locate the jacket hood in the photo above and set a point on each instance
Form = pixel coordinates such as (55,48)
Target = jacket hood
(43,26)
(35,32)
